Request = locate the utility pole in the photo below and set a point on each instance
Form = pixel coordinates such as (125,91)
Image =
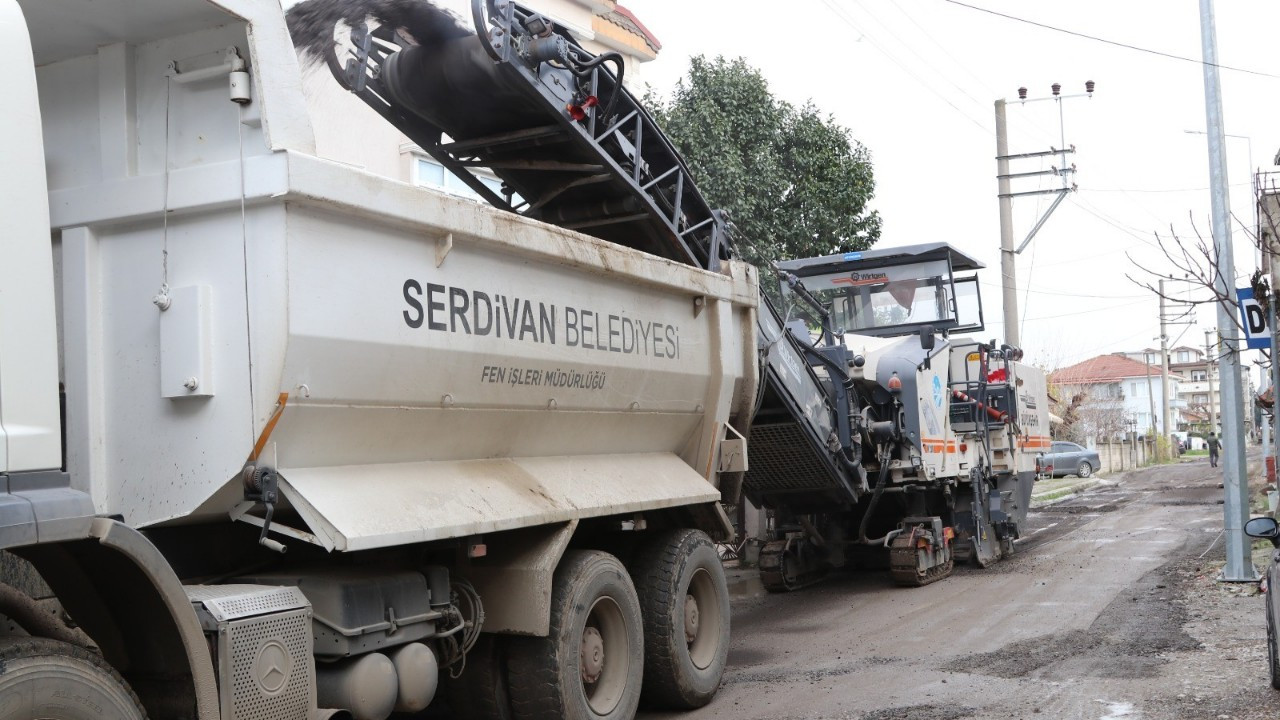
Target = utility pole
(1235,508)
(1008,261)
(1209,354)
(1164,370)
(1008,253)
(1151,395)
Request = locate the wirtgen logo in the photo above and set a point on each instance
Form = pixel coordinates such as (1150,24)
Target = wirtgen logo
(862,279)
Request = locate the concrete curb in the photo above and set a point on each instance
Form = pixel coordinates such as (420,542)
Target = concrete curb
(1062,491)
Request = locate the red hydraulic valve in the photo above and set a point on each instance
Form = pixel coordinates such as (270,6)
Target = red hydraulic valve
(579,112)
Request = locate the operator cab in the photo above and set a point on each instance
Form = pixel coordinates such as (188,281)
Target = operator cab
(891,292)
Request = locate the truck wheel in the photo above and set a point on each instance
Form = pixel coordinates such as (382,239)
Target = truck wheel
(480,692)
(54,680)
(684,600)
(589,666)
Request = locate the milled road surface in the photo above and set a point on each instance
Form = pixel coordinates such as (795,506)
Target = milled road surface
(1108,610)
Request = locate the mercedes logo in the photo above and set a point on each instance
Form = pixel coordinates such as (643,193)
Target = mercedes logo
(271,669)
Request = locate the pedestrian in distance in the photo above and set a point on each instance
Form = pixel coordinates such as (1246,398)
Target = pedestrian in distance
(1214,447)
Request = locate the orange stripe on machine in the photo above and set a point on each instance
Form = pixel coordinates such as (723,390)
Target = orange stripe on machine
(934,445)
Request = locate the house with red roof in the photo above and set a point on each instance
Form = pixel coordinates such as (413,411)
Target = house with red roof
(1200,391)
(1116,393)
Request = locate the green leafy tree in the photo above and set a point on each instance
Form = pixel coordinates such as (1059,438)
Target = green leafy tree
(794,182)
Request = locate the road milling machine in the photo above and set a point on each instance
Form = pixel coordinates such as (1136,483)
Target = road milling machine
(284,439)
(936,434)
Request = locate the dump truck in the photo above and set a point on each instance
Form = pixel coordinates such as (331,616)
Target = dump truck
(281,438)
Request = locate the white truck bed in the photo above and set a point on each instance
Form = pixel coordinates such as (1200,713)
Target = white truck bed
(580,379)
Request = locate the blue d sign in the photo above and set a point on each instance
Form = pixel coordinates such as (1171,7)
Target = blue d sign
(1253,319)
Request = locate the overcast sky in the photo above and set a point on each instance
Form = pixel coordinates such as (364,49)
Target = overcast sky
(915,82)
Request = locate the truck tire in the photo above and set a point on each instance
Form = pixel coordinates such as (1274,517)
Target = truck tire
(53,680)
(480,692)
(589,666)
(683,594)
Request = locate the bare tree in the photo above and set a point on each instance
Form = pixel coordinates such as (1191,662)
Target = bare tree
(1090,414)
(1195,260)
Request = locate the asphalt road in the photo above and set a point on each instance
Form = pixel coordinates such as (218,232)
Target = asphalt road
(1108,610)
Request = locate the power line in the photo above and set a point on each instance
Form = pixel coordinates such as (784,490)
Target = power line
(1131,231)
(952,58)
(1127,46)
(908,46)
(1086,312)
(1096,348)
(835,10)
(1156,190)
(1074,294)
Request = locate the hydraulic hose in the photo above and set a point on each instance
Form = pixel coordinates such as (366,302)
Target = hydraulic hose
(881,482)
(831,365)
(584,68)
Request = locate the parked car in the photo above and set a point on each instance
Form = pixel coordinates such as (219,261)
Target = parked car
(1268,529)
(1068,458)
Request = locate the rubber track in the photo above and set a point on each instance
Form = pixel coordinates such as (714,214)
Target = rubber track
(903,565)
(772,577)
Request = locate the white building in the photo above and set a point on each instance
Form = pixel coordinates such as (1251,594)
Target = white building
(1202,378)
(1120,393)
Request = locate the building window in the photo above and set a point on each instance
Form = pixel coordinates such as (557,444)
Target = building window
(1197,375)
(429,173)
(1184,356)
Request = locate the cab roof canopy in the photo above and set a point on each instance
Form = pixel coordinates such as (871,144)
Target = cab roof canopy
(867,259)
